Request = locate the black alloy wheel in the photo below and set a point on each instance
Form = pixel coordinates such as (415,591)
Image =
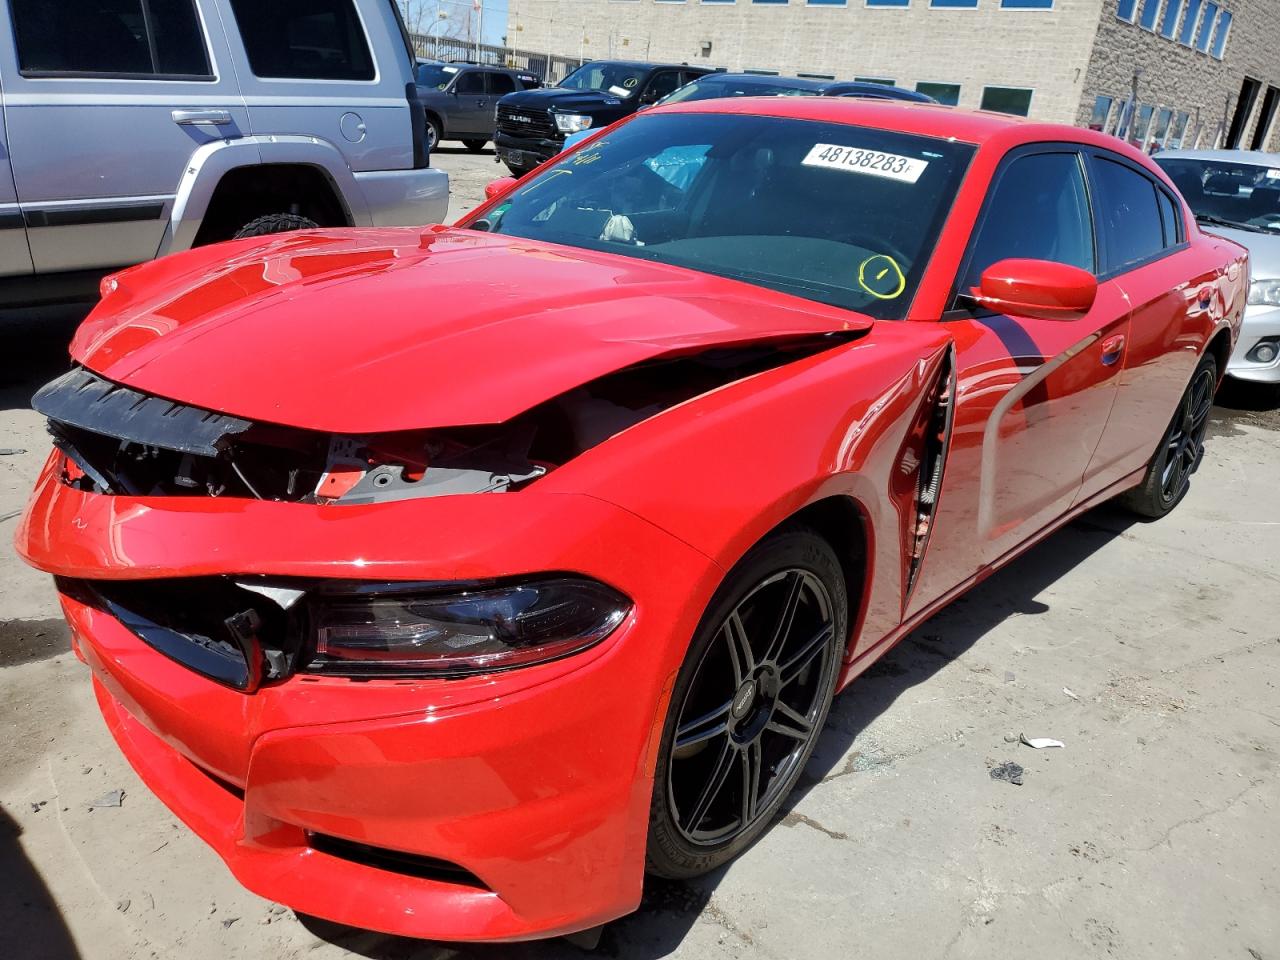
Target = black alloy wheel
(749,703)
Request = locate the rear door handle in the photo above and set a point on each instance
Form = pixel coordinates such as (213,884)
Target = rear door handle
(1112,349)
(187,118)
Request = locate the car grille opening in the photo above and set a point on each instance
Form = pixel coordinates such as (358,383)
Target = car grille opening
(526,123)
(395,861)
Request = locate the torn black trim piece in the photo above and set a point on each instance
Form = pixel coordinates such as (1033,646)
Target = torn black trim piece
(83,399)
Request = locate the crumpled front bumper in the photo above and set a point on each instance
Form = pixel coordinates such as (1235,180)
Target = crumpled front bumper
(536,782)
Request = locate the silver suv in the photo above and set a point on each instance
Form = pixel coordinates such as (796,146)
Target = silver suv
(135,128)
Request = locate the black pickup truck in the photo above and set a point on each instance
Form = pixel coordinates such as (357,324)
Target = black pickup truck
(532,124)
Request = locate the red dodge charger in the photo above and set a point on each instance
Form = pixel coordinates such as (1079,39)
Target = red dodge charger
(448,580)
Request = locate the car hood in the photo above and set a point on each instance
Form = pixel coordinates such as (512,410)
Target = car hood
(1264,249)
(363,331)
(564,101)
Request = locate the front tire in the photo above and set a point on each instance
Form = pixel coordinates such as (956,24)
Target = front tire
(434,133)
(1168,476)
(274,223)
(748,704)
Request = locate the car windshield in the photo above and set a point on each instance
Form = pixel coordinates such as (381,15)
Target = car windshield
(714,88)
(1235,193)
(619,79)
(435,75)
(843,215)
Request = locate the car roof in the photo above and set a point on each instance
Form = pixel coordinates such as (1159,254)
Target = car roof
(646,65)
(1259,157)
(799,83)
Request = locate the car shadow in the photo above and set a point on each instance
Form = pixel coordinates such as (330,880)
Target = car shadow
(31,925)
(670,908)
(34,345)
(457,149)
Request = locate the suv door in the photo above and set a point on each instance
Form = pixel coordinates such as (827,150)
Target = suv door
(104,105)
(470,114)
(1144,242)
(309,68)
(1035,394)
(15,255)
(500,84)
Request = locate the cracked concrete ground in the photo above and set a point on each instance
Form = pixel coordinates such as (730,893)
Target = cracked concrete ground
(1153,834)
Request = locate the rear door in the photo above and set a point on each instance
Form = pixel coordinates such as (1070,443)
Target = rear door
(15,255)
(105,100)
(1176,300)
(499,85)
(470,115)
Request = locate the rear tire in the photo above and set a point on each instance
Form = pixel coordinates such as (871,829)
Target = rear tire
(748,704)
(1168,475)
(274,223)
(475,146)
(434,134)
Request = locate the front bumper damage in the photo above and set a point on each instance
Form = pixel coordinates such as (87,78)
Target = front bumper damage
(498,807)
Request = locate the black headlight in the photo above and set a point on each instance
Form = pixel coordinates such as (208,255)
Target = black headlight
(386,631)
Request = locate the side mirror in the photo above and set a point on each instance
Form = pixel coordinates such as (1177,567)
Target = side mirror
(501,185)
(1040,289)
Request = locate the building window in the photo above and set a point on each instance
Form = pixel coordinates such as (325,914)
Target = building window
(1147,18)
(888,3)
(1101,111)
(1220,37)
(817,76)
(1206,27)
(1169,25)
(880,80)
(1026,4)
(1138,136)
(1161,131)
(768,1)
(948,93)
(1125,10)
(826,3)
(1179,130)
(953,3)
(1015,100)
(717,1)
(1188,35)
(762,73)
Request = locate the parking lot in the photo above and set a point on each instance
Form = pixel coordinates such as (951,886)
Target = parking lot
(1151,650)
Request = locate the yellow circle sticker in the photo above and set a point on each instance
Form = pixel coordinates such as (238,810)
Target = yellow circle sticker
(881,276)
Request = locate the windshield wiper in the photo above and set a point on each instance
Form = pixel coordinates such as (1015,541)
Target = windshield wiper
(1220,222)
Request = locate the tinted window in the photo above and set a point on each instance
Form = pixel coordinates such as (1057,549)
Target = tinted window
(1170,222)
(1128,214)
(304,39)
(433,75)
(470,83)
(829,212)
(1039,210)
(110,37)
(668,81)
(501,83)
(1013,100)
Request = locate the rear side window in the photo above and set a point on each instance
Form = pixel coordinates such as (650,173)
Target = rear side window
(146,39)
(304,39)
(1170,221)
(1128,214)
(501,83)
(470,83)
(1038,209)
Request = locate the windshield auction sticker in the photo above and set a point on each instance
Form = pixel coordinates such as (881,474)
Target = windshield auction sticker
(857,160)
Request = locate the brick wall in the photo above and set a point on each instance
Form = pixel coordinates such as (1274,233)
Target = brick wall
(1045,50)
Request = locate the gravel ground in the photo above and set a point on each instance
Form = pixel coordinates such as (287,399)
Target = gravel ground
(1153,834)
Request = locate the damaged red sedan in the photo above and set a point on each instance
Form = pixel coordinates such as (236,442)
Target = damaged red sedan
(447,580)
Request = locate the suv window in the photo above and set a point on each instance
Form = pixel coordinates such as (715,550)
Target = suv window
(663,82)
(1129,214)
(304,39)
(471,82)
(1038,209)
(501,83)
(136,38)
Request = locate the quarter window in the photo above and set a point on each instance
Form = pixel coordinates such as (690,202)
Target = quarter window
(146,39)
(1170,222)
(1128,214)
(304,39)
(1038,209)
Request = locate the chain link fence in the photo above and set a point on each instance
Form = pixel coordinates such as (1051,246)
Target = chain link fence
(549,67)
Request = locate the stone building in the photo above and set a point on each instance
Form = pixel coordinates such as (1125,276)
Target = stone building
(1158,72)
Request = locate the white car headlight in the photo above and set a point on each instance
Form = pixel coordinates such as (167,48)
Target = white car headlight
(1265,292)
(572,122)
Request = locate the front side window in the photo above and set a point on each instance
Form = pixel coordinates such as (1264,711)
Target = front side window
(125,38)
(303,39)
(1128,214)
(470,84)
(843,215)
(1243,195)
(1037,210)
(435,75)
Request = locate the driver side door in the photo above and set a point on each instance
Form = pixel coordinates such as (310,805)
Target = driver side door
(1033,395)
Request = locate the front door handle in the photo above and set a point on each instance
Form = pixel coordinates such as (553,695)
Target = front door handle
(1112,349)
(187,118)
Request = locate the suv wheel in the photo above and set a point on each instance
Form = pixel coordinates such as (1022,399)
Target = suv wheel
(274,223)
(434,133)
(475,146)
